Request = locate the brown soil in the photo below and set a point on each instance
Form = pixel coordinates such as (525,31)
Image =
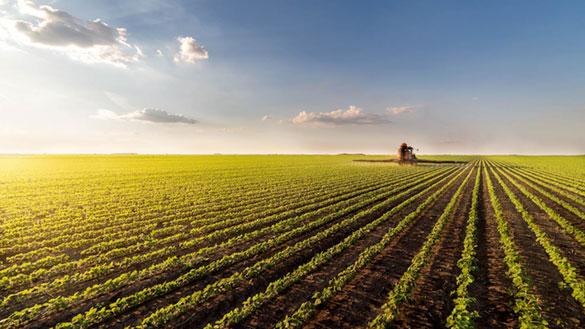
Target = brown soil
(559,308)
(367,292)
(568,246)
(276,310)
(141,311)
(217,307)
(549,180)
(491,286)
(431,301)
(213,256)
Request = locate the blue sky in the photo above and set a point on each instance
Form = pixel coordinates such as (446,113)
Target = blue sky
(292,76)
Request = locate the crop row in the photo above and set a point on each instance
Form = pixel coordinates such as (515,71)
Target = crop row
(556,186)
(526,303)
(307,309)
(278,286)
(399,294)
(122,224)
(567,270)
(462,317)
(564,223)
(127,278)
(227,284)
(110,242)
(106,266)
(128,204)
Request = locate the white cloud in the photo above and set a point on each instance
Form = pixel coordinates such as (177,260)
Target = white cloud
(401,109)
(159,53)
(87,41)
(190,50)
(266,118)
(146,116)
(353,116)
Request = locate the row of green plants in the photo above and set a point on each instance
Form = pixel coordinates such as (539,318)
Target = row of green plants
(57,222)
(555,185)
(531,182)
(526,304)
(563,177)
(550,185)
(110,267)
(55,227)
(275,288)
(462,316)
(227,284)
(337,284)
(140,246)
(309,201)
(124,303)
(106,255)
(567,271)
(92,235)
(401,291)
(564,223)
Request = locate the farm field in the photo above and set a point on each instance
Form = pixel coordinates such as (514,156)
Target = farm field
(281,241)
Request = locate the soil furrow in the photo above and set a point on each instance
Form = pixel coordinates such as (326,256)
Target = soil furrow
(565,242)
(431,301)
(368,290)
(136,315)
(492,285)
(559,308)
(287,303)
(150,281)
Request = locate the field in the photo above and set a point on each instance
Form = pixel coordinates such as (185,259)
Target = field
(291,241)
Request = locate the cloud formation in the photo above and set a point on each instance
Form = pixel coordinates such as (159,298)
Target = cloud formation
(401,109)
(190,50)
(146,116)
(266,118)
(353,116)
(86,41)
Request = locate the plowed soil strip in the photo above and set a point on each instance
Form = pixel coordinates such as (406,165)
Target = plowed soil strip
(368,290)
(559,308)
(563,187)
(81,285)
(74,253)
(491,286)
(138,285)
(238,295)
(108,298)
(300,292)
(565,242)
(431,301)
(564,212)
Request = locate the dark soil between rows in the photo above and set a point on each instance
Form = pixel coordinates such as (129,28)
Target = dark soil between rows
(111,297)
(368,290)
(431,301)
(559,308)
(302,291)
(568,246)
(137,314)
(491,287)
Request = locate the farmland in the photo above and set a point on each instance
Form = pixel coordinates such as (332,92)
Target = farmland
(291,241)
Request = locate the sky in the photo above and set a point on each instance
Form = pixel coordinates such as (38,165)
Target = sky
(214,76)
